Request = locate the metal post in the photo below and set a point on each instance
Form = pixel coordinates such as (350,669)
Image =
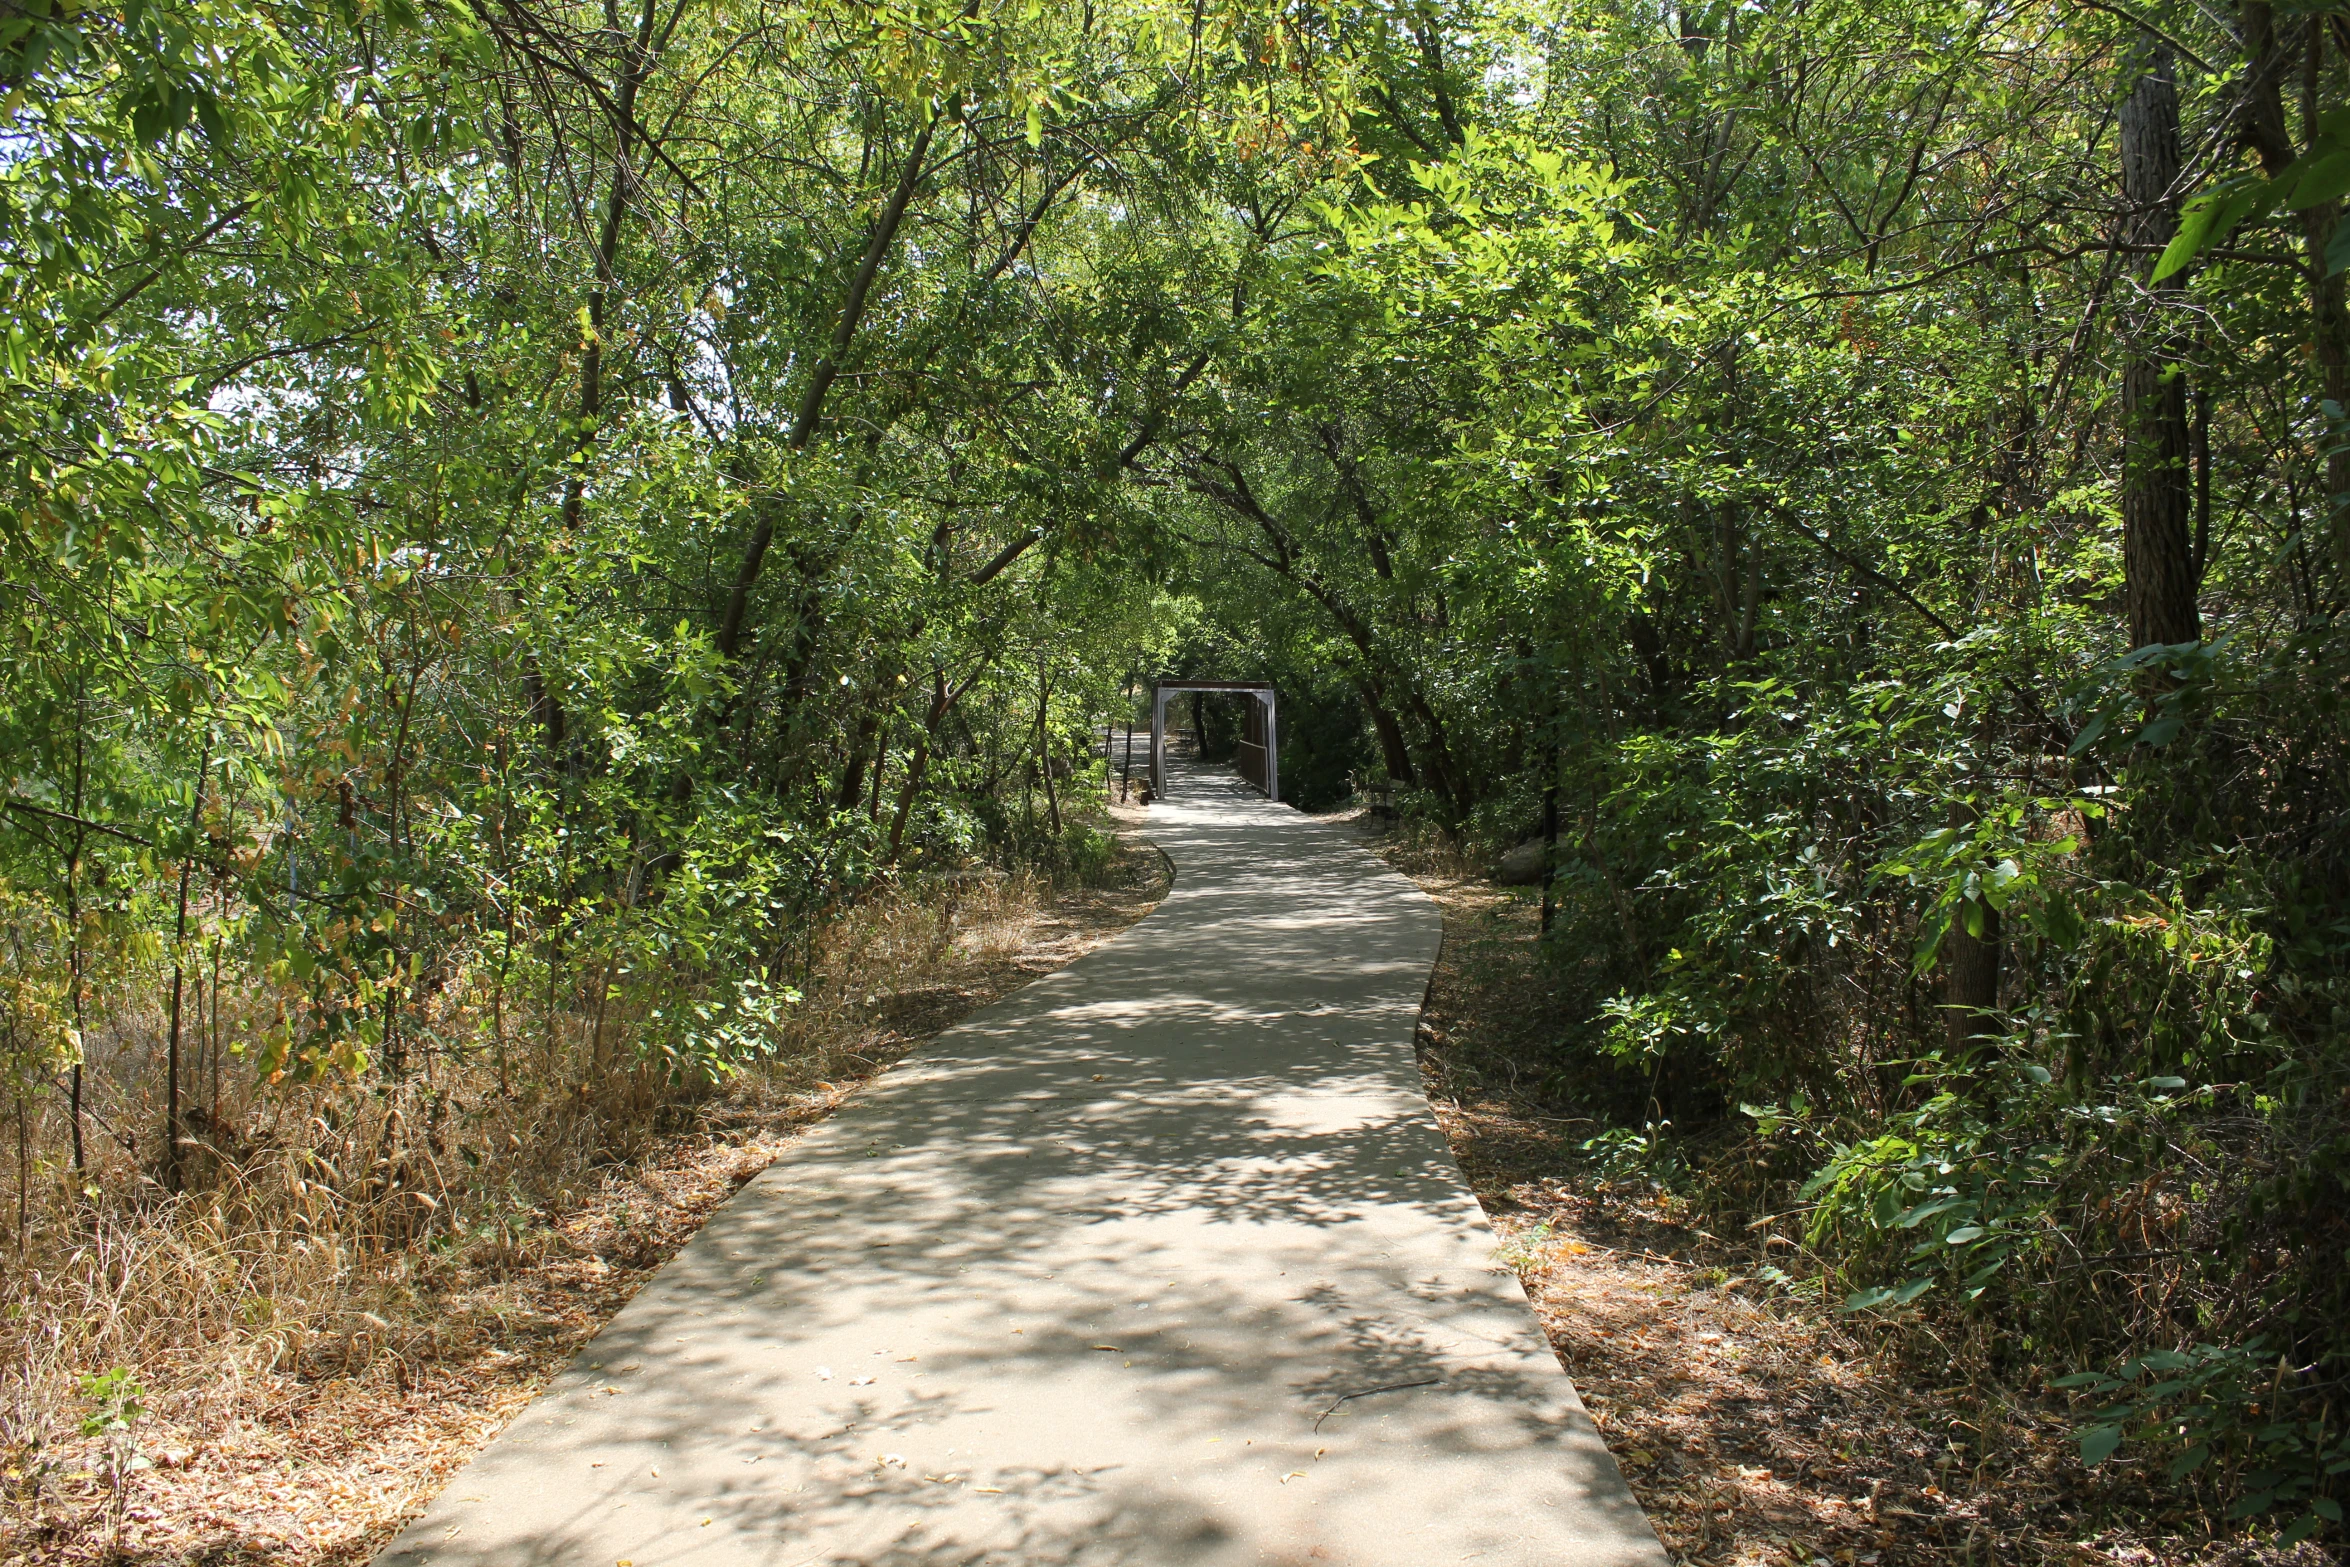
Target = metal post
(1158,743)
(1272,752)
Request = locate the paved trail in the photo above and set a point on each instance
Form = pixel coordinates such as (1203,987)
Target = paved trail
(1160,1261)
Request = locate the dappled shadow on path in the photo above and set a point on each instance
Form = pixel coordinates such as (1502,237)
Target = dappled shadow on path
(1161,1260)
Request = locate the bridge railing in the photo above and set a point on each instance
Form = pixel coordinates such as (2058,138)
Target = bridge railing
(1249,761)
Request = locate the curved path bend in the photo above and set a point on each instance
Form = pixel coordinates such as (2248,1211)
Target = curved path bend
(1162,1260)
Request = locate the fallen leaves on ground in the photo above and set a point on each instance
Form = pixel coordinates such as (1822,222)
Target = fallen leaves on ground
(323,1471)
(1757,1430)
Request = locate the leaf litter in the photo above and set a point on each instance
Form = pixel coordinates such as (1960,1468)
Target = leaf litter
(1755,1429)
(322,1470)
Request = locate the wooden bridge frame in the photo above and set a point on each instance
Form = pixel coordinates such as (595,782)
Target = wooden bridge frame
(1260,732)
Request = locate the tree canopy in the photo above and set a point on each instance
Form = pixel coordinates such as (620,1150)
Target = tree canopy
(521,509)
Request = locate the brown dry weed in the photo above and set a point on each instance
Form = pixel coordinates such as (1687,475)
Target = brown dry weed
(318,1362)
(1756,1428)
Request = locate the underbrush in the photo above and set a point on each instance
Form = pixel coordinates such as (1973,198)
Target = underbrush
(2115,1213)
(372,1235)
(2162,1259)
(2032,1062)
(2156,1259)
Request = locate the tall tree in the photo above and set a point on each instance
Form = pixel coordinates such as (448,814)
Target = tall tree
(2158,559)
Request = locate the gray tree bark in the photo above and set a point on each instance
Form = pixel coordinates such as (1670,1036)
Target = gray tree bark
(2271,56)
(2158,559)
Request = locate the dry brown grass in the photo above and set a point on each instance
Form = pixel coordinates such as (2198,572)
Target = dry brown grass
(1756,1428)
(367,1288)
(367,1285)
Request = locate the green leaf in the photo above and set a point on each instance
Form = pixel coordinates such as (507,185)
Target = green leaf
(2325,178)
(1975,1282)
(214,121)
(2208,220)
(1927,1210)
(1864,1300)
(2098,1444)
(2338,249)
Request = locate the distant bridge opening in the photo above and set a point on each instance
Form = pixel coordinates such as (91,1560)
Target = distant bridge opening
(1259,760)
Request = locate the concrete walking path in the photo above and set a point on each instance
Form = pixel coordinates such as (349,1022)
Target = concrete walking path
(1162,1260)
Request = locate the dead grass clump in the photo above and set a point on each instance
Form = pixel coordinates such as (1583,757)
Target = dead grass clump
(1418,848)
(365,1282)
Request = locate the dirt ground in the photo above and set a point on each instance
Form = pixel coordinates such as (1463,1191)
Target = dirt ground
(1755,1428)
(319,1471)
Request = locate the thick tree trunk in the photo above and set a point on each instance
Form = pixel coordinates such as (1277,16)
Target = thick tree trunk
(860,754)
(917,768)
(1436,761)
(1971,979)
(2271,59)
(2158,558)
(1737,578)
(1392,748)
(1648,645)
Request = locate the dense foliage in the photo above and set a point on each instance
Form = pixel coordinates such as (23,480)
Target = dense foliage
(560,497)
(1793,461)
(517,514)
